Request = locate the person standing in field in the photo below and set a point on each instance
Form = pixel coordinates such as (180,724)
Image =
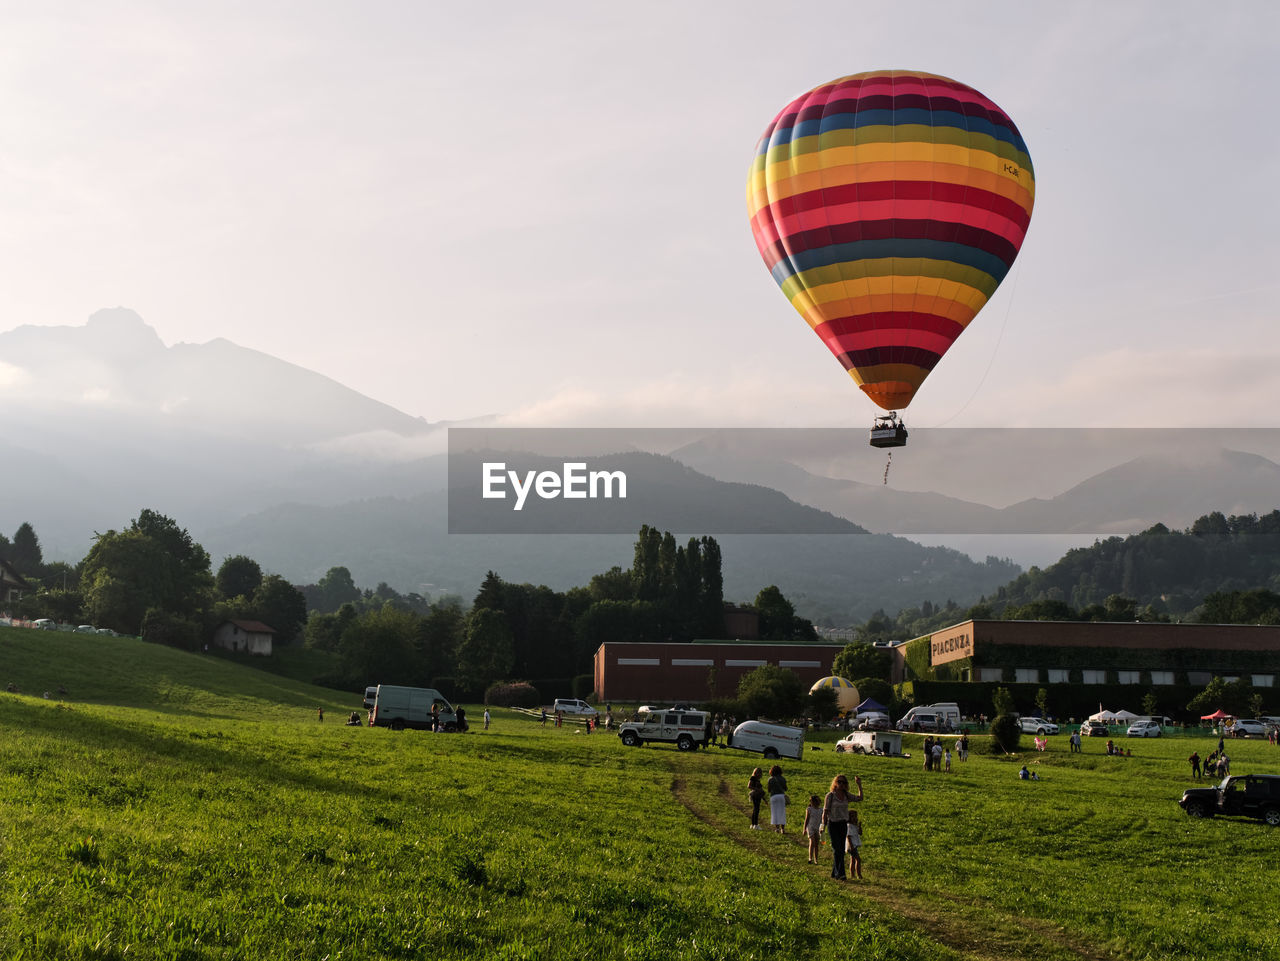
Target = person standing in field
(486,719)
(835,818)
(853,841)
(777,800)
(1194,761)
(813,826)
(755,792)
(320,713)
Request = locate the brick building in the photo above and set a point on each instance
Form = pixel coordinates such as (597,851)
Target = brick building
(670,672)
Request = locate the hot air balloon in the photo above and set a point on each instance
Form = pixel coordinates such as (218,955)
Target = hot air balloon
(888,206)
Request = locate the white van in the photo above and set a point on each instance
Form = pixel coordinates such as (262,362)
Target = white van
(771,740)
(401,707)
(945,717)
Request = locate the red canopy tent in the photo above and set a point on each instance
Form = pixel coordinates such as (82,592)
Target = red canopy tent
(1217,715)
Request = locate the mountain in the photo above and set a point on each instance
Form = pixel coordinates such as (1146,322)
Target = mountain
(259,456)
(1172,486)
(104,420)
(405,541)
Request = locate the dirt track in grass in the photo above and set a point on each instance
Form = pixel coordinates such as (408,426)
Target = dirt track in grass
(982,932)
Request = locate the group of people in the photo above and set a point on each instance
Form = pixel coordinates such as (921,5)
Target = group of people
(832,814)
(937,753)
(1216,763)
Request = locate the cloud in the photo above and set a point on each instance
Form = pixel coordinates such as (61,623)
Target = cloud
(744,399)
(13,377)
(1194,387)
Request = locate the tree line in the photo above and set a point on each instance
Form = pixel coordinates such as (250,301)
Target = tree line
(154,580)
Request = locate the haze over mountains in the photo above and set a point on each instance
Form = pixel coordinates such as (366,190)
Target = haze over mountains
(255,455)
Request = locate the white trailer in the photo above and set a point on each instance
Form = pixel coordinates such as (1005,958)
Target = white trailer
(888,743)
(771,740)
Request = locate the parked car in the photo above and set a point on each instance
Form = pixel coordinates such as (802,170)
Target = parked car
(1143,729)
(1093,729)
(871,721)
(1037,725)
(1248,727)
(45,624)
(572,705)
(370,697)
(918,722)
(1247,795)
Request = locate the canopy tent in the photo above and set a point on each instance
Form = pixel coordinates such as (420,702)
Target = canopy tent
(1126,716)
(1106,717)
(1217,715)
(871,704)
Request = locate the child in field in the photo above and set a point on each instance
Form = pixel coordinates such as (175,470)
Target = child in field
(853,844)
(813,826)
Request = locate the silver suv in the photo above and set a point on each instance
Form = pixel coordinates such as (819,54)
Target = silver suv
(1037,725)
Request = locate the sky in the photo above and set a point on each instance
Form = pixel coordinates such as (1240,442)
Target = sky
(538,210)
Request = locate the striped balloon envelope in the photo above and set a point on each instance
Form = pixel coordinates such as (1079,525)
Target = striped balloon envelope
(888,206)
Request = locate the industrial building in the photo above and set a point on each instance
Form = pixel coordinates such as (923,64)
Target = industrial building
(1072,652)
(699,671)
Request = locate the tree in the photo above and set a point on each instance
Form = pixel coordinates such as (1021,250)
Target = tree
(238,576)
(324,631)
(1042,701)
(1002,700)
(337,588)
(822,705)
(876,689)
(487,650)
(25,553)
(280,605)
(771,691)
(381,645)
(863,660)
(778,620)
(776,614)
(152,564)
(1149,704)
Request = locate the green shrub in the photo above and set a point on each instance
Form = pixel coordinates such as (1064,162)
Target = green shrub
(512,694)
(1005,734)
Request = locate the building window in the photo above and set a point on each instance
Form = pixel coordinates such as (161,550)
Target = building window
(743,662)
(1059,675)
(692,662)
(1264,680)
(1127,677)
(1027,675)
(990,674)
(799,664)
(1199,677)
(638,662)
(1093,677)
(1162,677)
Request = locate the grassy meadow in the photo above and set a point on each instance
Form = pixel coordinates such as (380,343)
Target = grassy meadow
(180,806)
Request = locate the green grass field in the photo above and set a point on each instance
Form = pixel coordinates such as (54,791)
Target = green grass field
(180,806)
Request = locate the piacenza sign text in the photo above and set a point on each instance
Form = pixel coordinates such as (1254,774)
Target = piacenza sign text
(950,648)
(574,482)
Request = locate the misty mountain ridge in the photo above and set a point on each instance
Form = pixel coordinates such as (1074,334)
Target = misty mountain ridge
(259,456)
